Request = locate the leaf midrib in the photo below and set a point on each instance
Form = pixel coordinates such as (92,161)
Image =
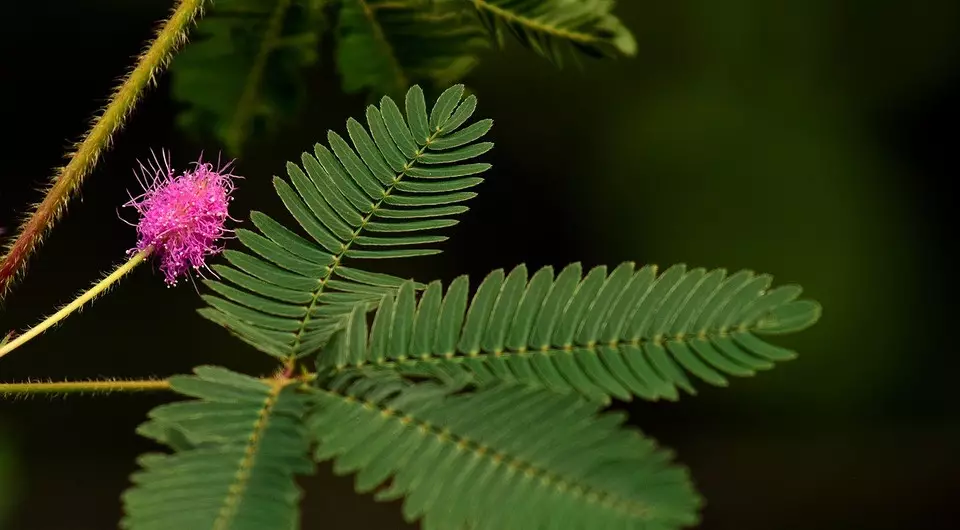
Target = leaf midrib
(238,487)
(544,477)
(683,338)
(332,269)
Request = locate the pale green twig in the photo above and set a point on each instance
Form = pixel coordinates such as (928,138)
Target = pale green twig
(98,289)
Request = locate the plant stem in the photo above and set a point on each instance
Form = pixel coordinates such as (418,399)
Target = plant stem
(170,36)
(107,386)
(98,289)
(80,387)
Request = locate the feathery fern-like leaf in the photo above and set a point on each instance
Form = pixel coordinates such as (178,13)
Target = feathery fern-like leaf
(242,72)
(236,450)
(374,200)
(387,45)
(505,457)
(550,27)
(626,333)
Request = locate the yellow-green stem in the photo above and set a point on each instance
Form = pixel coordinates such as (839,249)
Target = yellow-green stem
(108,386)
(171,35)
(98,289)
(82,387)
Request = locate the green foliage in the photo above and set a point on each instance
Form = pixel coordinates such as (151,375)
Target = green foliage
(505,457)
(409,177)
(242,73)
(551,27)
(236,451)
(387,45)
(627,333)
(483,413)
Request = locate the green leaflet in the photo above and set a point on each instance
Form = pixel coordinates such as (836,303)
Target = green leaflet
(552,27)
(384,46)
(377,193)
(616,333)
(241,75)
(236,451)
(507,456)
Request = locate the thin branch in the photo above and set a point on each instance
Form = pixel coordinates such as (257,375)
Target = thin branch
(8,345)
(108,386)
(169,37)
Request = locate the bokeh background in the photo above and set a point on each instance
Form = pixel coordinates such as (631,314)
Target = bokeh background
(815,140)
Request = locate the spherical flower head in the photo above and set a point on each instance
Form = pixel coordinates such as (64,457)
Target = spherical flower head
(182,217)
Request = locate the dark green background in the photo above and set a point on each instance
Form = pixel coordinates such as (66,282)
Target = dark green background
(811,139)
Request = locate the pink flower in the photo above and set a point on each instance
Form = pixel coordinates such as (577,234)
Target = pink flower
(182,217)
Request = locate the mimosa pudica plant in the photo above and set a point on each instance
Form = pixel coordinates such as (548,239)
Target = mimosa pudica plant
(482,408)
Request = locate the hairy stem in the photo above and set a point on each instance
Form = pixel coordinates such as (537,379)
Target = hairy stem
(108,386)
(81,387)
(98,289)
(170,36)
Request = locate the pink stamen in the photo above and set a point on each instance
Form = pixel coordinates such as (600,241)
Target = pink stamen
(182,217)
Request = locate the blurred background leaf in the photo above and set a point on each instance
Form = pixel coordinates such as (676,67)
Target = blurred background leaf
(243,72)
(386,46)
(557,29)
(247,70)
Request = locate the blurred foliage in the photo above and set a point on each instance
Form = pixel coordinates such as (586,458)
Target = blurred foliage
(553,27)
(384,46)
(244,72)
